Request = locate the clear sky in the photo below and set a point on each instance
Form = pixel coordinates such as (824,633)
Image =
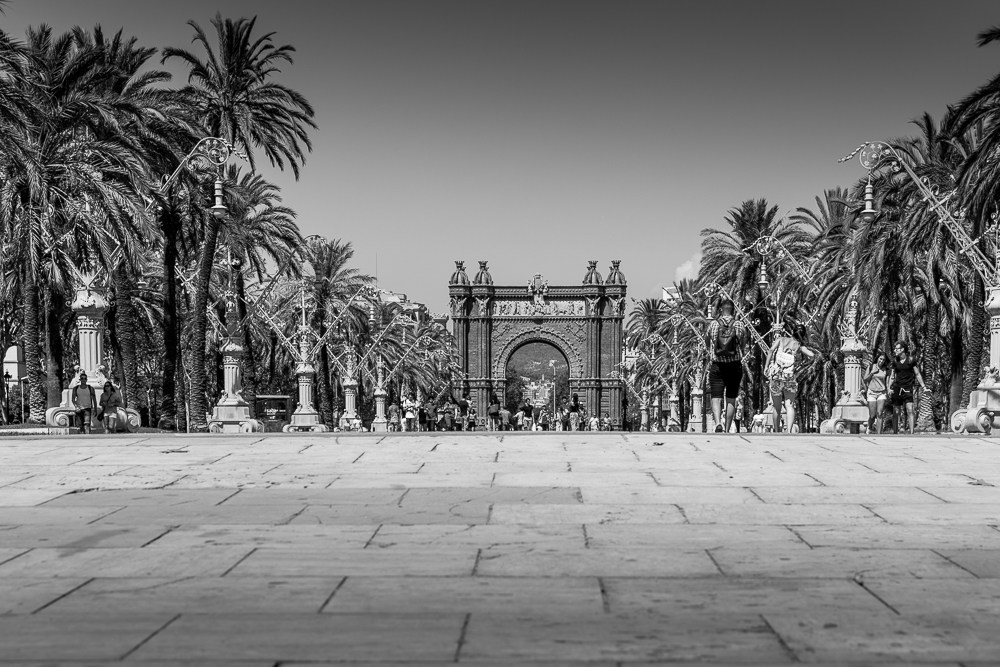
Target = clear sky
(539,135)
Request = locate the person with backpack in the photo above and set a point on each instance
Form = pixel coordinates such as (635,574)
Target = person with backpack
(493,413)
(779,368)
(726,340)
(85,400)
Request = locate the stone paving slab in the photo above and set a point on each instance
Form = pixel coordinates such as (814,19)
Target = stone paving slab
(498,549)
(415,637)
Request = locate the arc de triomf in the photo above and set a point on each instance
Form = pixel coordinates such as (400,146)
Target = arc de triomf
(584,321)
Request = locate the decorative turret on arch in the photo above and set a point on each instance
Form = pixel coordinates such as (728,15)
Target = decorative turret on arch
(584,321)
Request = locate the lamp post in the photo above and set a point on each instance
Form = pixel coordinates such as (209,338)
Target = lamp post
(984,402)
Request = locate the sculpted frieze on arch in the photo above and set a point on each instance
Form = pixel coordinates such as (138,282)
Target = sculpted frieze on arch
(530,308)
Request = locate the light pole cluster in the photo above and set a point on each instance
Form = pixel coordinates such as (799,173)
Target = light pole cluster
(984,402)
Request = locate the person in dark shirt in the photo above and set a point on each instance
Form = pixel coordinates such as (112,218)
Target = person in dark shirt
(904,375)
(574,413)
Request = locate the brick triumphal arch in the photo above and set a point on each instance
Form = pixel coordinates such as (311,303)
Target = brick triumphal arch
(490,322)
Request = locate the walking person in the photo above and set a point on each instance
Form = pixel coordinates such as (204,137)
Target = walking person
(780,371)
(504,418)
(738,417)
(574,413)
(725,341)
(394,416)
(876,379)
(84,400)
(112,411)
(901,380)
(493,413)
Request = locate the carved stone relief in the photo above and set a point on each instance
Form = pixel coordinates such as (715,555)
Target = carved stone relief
(535,309)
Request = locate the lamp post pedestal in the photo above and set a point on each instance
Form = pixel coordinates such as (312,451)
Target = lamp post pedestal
(90,306)
(984,402)
(305,417)
(695,420)
(232,414)
(644,411)
(851,411)
(350,416)
(380,424)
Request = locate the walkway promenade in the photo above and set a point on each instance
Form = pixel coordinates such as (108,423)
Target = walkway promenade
(539,549)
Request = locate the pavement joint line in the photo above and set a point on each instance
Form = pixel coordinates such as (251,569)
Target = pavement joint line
(399,503)
(295,515)
(303,449)
(755,494)
(716,464)
(930,494)
(169,484)
(869,467)
(683,513)
(18,481)
(256,441)
(496,459)
(421,467)
(60,597)
(168,530)
(781,640)
(958,565)
(68,493)
(370,539)
(144,641)
(233,566)
(461,636)
(218,459)
(104,516)
(489,514)
(493,480)
(475,565)
(332,593)
(715,562)
(586,537)
(569,466)
(81,460)
(874,594)
(500,439)
(636,456)
(884,520)
(359,457)
(605,602)
(744,439)
(653,477)
(379,441)
(698,450)
(769,453)
(818,481)
(271,469)
(7,560)
(800,538)
(915,457)
(228,497)
(434,448)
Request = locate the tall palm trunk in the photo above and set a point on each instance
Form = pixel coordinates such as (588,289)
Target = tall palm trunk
(249,392)
(170,225)
(54,345)
(198,364)
(323,374)
(125,332)
(974,347)
(957,378)
(929,369)
(30,331)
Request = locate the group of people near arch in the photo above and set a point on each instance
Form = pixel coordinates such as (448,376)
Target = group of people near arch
(889,379)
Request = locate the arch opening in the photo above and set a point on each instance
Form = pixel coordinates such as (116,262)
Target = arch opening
(536,372)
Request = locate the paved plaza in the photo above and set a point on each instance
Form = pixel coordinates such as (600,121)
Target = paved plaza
(547,549)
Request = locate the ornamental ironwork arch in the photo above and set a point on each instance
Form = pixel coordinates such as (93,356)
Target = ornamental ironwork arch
(584,321)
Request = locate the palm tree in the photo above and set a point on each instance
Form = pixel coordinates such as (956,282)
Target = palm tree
(233,94)
(67,191)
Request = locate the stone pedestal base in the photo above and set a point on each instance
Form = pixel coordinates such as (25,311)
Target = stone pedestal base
(981,415)
(305,421)
(846,417)
(233,418)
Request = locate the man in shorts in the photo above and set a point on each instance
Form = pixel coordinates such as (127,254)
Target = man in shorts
(726,342)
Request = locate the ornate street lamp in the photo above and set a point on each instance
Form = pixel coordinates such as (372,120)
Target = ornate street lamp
(6,392)
(984,402)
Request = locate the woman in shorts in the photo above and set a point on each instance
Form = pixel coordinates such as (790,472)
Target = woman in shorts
(875,379)
(901,381)
(780,371)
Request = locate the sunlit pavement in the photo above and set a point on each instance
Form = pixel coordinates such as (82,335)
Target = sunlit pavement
(596,549)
